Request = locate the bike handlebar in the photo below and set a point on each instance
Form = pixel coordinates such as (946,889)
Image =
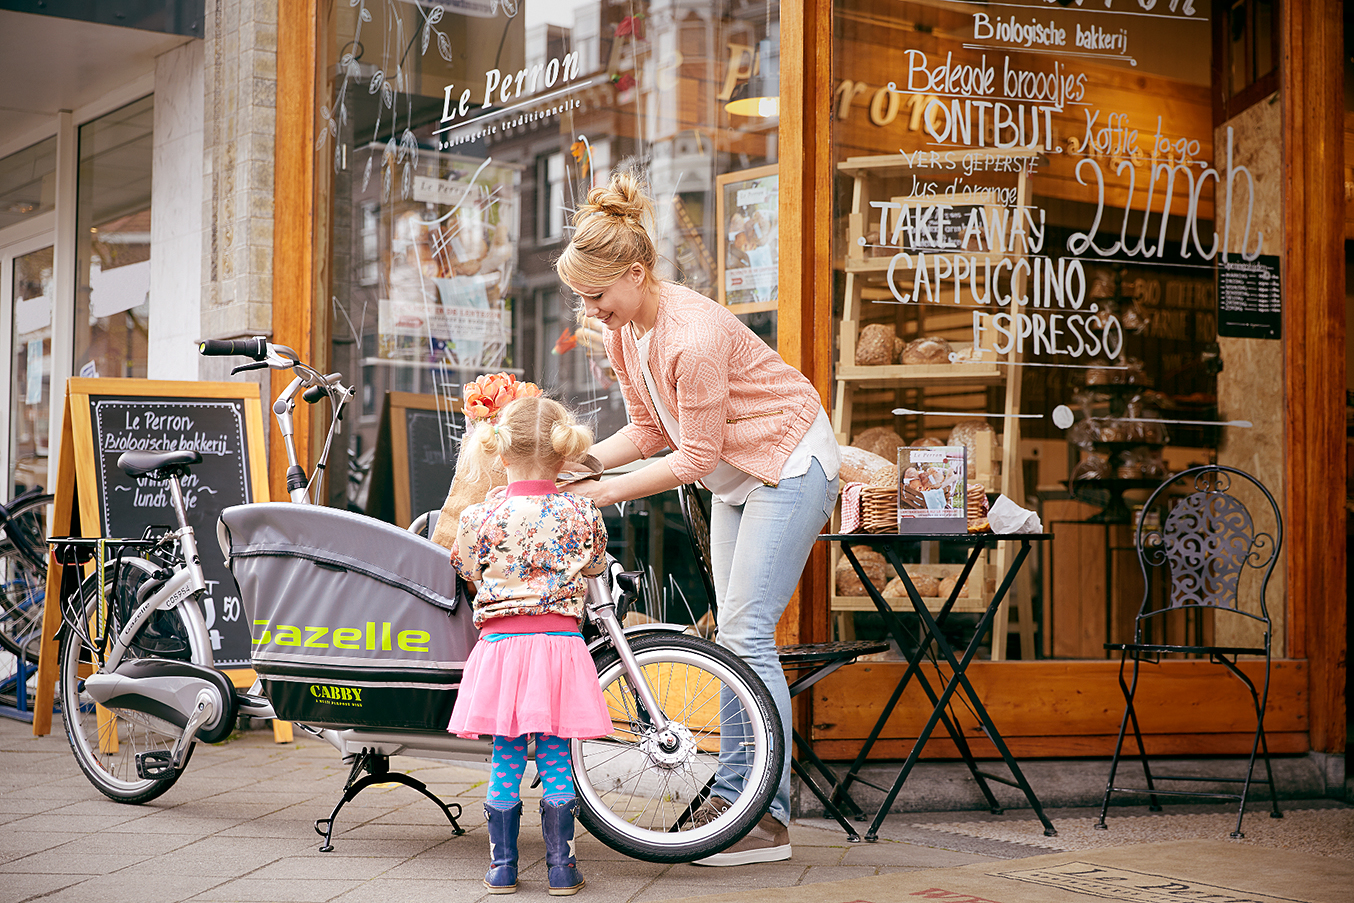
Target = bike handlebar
(256,348)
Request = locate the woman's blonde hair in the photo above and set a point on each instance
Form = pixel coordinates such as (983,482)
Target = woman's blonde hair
(529,430)
(611,234)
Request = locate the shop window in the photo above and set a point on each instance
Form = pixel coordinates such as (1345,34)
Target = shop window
(471,137)
(28,183)
(1005,172)
(1245,53)
(113,243)
(31,372)
(552,212)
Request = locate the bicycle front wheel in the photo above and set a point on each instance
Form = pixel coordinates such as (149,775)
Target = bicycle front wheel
(639,786)
(106,742)
(23,570)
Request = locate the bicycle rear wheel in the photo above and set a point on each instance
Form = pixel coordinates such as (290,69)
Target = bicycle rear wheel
(23,576)
(106,742)
(639,788)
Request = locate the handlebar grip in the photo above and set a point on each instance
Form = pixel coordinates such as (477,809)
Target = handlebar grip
(256,348)
(314,394)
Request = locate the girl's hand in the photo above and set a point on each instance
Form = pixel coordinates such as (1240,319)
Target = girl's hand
(495,493)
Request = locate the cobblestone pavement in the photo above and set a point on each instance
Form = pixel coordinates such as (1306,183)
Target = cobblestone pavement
(238,826)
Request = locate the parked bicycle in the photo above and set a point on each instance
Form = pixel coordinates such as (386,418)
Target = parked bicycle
(360,629)
(23,567)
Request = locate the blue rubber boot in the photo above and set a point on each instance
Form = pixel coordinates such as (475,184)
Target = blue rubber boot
(503,826)
(557,827)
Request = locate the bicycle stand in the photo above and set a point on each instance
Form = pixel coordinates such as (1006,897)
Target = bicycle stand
(377,768)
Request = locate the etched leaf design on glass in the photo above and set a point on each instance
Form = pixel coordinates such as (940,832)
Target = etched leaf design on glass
(378,79)
(444,46)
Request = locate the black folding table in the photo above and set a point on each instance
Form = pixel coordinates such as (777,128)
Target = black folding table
(890,544)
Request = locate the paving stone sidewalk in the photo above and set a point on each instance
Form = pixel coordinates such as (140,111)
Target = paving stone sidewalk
(239,827)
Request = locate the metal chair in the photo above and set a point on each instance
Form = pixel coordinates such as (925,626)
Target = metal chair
(1206,543)
(811,661)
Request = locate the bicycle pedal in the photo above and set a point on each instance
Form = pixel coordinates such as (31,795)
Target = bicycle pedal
(155,765)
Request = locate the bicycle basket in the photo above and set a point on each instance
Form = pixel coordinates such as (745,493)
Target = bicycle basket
(356,623)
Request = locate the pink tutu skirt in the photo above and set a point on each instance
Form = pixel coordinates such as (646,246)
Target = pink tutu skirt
(530,683)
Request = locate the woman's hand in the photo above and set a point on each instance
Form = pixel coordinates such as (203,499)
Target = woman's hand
(596,490)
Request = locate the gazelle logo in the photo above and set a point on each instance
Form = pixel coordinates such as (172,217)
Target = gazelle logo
(373,637)
(337,695)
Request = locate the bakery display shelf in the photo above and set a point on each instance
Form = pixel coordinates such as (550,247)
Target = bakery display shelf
(1115,510)
(926,386)
(987,374)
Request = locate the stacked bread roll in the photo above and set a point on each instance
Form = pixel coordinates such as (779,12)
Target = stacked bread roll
(975,507)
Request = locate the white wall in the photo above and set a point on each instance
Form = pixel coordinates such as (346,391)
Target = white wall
(176,214)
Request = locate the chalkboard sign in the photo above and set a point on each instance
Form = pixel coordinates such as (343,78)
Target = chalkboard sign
(416,447)
(1250,298)
(222,421)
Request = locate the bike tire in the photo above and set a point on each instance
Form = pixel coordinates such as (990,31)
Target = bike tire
(635,795)
(23,570)
(106,743)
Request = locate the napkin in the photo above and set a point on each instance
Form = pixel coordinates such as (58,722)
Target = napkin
(1006,516)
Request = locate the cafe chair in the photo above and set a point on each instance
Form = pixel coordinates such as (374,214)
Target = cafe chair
(1205,567)
(810,662)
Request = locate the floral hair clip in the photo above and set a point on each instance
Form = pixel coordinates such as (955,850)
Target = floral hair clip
(492,392)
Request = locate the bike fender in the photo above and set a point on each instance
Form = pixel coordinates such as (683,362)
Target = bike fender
(639,630)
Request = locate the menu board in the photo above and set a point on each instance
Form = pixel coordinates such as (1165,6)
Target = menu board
(1250,298)
(416,447)
(220,421)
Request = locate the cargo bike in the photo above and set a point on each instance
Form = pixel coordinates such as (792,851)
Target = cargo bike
(360,634)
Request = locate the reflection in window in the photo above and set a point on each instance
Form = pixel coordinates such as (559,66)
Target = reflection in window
(468,139)
(28,183)
(113,243)
(31,376)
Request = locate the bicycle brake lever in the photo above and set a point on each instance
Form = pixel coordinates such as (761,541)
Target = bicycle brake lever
(255,365)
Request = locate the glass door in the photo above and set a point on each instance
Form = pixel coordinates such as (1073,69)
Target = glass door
(29,284)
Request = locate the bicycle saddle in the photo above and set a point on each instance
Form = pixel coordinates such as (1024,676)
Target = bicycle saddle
(141,463)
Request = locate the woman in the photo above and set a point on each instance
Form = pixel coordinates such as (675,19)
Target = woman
(739,420)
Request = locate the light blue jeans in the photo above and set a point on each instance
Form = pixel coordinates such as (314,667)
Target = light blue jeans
(758,551)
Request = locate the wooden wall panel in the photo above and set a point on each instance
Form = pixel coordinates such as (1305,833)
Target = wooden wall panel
(294,210)
(1065,708)
(1312,90)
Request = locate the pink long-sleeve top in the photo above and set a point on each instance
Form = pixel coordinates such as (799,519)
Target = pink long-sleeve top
(735,399)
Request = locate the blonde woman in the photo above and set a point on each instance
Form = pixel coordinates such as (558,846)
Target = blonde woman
(739,420)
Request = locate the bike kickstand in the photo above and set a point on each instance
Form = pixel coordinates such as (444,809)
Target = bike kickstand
(378,772)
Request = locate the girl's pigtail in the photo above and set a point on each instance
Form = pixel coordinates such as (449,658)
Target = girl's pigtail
(569,439)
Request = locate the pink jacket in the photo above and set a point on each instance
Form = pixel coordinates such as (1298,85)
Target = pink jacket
(733,397)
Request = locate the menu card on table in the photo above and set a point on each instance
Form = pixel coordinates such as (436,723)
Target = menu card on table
(931,490)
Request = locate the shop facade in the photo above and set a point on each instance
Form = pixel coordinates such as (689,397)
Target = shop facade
(1119,183)
(1081,202)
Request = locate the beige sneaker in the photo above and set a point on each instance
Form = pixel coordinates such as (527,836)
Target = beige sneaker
(710,810)
(768,841)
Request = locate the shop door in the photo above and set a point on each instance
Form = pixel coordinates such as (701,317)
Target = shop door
(27,288)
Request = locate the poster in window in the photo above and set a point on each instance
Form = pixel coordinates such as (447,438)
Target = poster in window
(747,211)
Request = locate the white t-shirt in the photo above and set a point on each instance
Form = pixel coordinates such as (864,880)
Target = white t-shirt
(731,485)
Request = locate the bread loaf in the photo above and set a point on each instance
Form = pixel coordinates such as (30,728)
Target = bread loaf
(881,441)
(861,466)
(969,433)
(927,587)
(874,345)
(946,586)
(848,581)
(929,350)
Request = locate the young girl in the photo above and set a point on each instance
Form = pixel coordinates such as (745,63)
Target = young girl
(529,547)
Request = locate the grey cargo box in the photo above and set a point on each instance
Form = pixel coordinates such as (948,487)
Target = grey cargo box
(355,622)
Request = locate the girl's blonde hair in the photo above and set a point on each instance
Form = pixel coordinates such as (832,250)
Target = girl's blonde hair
(611,234)
(529,430)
